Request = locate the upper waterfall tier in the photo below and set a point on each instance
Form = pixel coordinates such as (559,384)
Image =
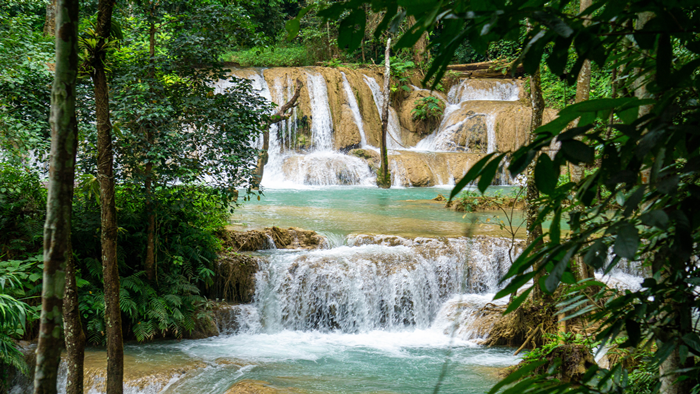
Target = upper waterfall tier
(339,110)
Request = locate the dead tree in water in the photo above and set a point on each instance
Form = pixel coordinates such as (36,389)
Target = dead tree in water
(279,116)
(383,179)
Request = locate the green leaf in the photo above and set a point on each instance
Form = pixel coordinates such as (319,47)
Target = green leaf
(470,176)
(489,172)
(555,227)
(627,241)
(293,25)
(554,277)
(352,30)
(518,300)
(514,285)
(546,176)
(517,375)
(656,218)
(577,152)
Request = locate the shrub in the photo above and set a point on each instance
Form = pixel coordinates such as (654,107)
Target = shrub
(428,108)
(275,57)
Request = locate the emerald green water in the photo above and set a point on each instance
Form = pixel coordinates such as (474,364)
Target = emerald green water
(341,210)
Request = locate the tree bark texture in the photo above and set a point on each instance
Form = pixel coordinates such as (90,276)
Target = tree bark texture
(532,193)
(105,175)
(279,116)
(64,144)
(150,263)
(50,21)
(74,335)
(383,179)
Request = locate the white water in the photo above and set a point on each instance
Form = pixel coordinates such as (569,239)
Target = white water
(321,121)
(464,91)
(356,116)
(393,140)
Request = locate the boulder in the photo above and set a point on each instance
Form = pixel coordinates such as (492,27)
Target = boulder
(415,130)
(272,238)
(256,387)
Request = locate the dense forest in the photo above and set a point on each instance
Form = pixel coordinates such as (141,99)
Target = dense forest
(127,144)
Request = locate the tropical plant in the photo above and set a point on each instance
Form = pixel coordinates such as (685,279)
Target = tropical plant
(427,108)
(648,159)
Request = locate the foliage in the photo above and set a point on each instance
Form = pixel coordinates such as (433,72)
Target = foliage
(22,211)
(25,84)
(428,108)
(295,56)
(188,219)
(15,313)
(649,164)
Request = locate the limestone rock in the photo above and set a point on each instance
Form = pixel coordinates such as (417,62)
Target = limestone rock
(256,387)
(347,134)
(416,129)
(234,279)
(272,238)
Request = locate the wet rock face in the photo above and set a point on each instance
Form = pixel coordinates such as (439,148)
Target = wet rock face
(256,387)
(272,238)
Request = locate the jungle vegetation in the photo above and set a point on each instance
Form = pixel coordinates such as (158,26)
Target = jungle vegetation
(634,135)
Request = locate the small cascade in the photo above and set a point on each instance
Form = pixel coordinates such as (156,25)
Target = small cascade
(356,116)
(469,90)
(374,283)
(459,316)
(393,140)
(238,319)
(327,168)
(321,121)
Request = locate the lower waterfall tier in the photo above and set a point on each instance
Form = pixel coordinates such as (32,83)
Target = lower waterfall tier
(360,166)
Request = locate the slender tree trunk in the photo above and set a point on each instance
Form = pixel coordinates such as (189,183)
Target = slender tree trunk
(50,21)
(64,144)
(279,116)
(383,179)
(105,174)
(75,337)
(150,263)
(532,193)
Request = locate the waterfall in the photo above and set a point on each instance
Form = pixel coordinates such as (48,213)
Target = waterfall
(327,168)
(500,91)
(375,282)
(356,116)
(321,121)
(393,140)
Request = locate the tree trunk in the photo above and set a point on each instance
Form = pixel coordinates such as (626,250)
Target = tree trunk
(75,337)
(105,174)
(50,21)
(150,263)
(279,116)
(532,193)
(383,179)
(64,144)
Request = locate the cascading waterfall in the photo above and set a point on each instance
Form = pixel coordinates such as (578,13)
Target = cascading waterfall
(393,140)
(356,116)
(321,123)
(464,91)
(374,282)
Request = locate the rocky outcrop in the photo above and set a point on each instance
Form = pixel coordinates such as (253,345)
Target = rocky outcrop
(467,128)
(257,387)
(415,130)
(411,168)
(234,279)
(272,238)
